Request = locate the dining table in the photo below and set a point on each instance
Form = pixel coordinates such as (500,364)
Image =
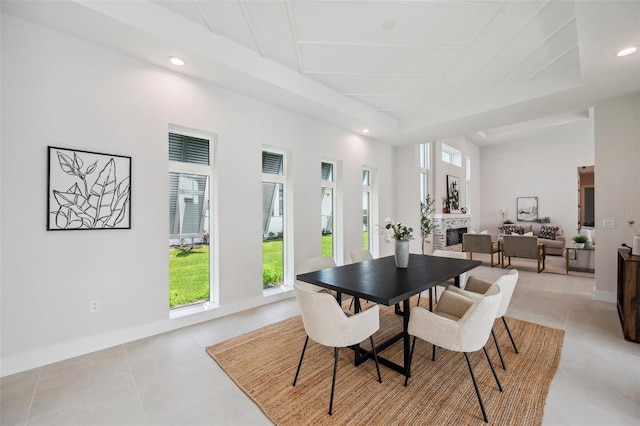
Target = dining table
(380,281)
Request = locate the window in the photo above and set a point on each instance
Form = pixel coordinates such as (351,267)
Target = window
(366,209)
(467,187)
(327,208)
(273,219)
(190,174)
(451,155)
(424,168)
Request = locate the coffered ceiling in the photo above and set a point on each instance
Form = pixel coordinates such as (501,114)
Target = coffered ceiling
(407,70)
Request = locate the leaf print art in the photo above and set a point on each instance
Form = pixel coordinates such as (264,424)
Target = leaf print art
(96,196)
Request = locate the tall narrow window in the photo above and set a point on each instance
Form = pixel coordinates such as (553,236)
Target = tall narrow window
(273,219)
(366,209)
(467,187)
(190,175)
(328,206)
(424,168)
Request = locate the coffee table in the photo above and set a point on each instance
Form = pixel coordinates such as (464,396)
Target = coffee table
(378,280)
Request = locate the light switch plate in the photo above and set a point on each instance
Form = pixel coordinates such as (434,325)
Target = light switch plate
(609,224)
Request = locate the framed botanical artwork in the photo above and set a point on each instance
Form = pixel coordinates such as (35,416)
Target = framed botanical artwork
(453,192)
(87,190)
(527,209)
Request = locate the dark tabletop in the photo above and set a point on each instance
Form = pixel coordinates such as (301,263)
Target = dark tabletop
(378,280)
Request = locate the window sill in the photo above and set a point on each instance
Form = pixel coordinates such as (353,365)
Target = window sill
(272,291)
(192,309)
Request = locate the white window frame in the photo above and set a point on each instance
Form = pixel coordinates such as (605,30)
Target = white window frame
(208,170)
(451,155)
(286,220)
(368,189)
(467,189)
(333,185)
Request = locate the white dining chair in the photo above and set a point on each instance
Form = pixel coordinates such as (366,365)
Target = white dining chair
(476,288)
(360,255)
(315,264)
(458,324)
(463,276)
(325,323)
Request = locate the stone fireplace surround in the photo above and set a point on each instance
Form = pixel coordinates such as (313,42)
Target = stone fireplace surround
(444,221)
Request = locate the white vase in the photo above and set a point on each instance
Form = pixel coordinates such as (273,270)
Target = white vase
(579,245)
(402,254)
(635,250)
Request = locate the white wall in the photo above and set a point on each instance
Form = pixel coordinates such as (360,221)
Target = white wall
(617,182)
(541,164)
(60,91)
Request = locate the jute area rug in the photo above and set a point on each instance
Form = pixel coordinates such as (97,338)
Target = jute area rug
(263,363)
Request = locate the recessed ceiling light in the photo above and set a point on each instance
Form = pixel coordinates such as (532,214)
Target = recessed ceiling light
(365,130)
(176,61)
(627,51)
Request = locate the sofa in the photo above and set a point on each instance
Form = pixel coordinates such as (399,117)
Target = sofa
(550,235)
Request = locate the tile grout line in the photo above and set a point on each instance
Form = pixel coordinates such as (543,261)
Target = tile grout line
(135,385)
(33,396)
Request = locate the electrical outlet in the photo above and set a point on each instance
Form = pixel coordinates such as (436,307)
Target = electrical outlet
(94,305)
(609,224)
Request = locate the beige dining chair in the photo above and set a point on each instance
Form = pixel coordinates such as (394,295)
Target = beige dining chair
(326,324)
(316,264)
(458,324)
(360,255)
(477,288)
(523,247)
(463,276)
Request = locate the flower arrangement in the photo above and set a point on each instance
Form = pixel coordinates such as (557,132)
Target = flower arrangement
(396,231)
(636,228)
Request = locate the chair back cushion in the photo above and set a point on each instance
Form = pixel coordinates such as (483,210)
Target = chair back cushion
(478,243)
(520,246)
(318,263)
(360,255)
(454,255)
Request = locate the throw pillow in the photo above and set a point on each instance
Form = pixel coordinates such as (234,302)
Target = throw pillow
(511,229)
(548,232)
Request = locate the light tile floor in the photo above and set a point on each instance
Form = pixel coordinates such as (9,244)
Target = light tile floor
(170,380)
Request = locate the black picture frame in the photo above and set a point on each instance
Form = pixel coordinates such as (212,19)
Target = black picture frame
(527,209)
(453,192)
(87,190)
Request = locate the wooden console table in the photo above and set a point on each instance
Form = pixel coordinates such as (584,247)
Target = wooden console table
(629,294)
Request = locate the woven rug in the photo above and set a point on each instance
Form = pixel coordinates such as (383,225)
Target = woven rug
(263,363)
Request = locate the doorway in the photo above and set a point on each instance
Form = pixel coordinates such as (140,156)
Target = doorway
(586,197)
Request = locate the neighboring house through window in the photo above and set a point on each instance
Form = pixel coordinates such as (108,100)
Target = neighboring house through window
(273,219)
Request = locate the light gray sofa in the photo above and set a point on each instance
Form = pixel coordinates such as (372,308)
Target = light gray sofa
(552,236)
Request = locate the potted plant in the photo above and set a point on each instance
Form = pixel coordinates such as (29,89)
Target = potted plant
(426,224)
(402,234)
(580,240)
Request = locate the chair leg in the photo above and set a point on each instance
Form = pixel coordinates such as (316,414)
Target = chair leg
(407,370)
(475,385)
(433,352)
(375,358)
(419,294)
(509,333)
(333,381)
(493,370)
(504,367)
(304,348)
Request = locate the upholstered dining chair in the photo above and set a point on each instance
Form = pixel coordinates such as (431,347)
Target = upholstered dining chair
(316,264)
(360,255)
(476,288)
(325,323)
(481,243)
(463,277)
(458,324)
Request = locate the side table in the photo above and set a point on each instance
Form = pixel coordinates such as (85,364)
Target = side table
(586,253)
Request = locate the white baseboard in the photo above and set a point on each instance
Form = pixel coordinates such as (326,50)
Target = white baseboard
(604,296)
(59,352)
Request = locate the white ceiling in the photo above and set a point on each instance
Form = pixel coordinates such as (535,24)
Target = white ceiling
(409,71)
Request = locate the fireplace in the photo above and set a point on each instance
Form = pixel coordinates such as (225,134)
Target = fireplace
(454,235)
